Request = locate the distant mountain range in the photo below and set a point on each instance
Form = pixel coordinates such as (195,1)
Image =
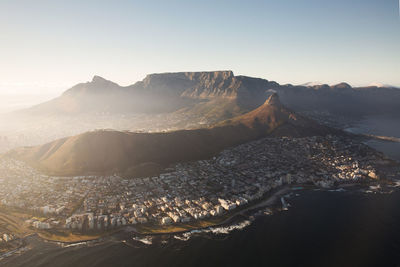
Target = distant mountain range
(234,104)
(137,154)
(218,94)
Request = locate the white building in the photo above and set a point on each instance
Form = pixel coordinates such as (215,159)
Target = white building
(166,220)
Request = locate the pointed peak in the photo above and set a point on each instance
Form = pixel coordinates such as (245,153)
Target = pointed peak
(97,79)
(273,100)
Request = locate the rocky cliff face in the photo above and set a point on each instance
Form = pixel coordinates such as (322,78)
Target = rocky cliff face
(196,91)
(194,84)
(165,92)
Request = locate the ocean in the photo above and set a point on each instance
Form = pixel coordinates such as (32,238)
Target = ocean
(321,228)
(352,227)
(381,126)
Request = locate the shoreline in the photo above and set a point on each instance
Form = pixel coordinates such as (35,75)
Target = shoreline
(267,200)
(133,243)
(126,232)
(270,198)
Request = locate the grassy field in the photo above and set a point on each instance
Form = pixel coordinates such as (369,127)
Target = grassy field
(181,227)
(13,222)
(67,236)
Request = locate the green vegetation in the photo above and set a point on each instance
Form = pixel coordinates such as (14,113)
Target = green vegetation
(179,227)
(67,236)
(13,222)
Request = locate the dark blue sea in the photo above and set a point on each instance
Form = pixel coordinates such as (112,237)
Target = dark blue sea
(355,227)
(321,228)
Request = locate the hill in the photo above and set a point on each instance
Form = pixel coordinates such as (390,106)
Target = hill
(157,93)
(342,99)
(141,153)
(201,92)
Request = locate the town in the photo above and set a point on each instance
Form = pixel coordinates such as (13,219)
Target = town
(188,191)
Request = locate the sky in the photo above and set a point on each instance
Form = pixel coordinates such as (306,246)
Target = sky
(48,46)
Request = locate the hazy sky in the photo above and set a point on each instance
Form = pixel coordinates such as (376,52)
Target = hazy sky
(48,46)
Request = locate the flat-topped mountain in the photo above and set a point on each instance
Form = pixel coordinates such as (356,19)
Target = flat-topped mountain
(137,153)
(157,93)
(201,92)
(193,84)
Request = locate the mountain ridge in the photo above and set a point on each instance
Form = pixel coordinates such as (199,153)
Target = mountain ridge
(171,92)
(114,151)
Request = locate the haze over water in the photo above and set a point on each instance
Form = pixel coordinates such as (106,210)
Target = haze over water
(163,68)
(381,126)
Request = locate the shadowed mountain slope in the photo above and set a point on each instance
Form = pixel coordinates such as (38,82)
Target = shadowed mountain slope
(125,152)
(157,93)
(200,92)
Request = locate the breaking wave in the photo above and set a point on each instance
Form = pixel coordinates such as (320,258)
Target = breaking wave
(147,240)
(220,230)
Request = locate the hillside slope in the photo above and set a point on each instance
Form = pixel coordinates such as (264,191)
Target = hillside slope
(113,151)
(157,93)
(197,93)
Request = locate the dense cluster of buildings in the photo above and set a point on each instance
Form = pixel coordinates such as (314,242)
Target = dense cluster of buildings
(6,237)
(188,191)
